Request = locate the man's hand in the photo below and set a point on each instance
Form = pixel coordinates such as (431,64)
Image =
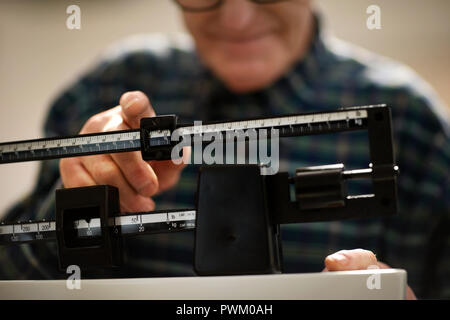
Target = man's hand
(357,259)
(136,179)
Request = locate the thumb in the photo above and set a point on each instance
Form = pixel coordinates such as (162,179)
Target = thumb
(135,106)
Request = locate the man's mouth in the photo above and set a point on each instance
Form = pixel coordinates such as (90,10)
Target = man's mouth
(239,38)
(242,46)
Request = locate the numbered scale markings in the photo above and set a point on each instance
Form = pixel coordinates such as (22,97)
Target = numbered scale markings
(123,225)
(129,140)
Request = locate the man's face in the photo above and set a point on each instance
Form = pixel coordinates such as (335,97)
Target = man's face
(250,45)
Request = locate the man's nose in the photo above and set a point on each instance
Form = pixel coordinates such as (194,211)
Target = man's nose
(236,15)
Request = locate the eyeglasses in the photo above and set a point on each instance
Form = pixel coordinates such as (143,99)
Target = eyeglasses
(205,5)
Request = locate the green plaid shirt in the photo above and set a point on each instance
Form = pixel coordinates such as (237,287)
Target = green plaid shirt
(333,74)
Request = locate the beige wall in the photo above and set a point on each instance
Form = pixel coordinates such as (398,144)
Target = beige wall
(39,55)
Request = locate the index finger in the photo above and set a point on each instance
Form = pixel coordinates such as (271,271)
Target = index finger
(135,106)
(357,259)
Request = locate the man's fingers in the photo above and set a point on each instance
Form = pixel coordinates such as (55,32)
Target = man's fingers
(357,259)
(135,178)
(139,173)
(74,174)
(98,122)
(105,171)
(168,172)
(135,105)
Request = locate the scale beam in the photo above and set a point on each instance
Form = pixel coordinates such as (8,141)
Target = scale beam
(152,136)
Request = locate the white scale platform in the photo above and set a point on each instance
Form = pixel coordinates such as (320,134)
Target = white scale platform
(340,285)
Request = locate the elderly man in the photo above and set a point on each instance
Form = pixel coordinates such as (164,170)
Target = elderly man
(250,59)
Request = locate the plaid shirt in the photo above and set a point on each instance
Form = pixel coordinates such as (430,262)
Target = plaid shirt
(333,74)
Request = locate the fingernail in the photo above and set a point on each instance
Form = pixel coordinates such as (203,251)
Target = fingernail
(341,259)
(130,103)
(130,99)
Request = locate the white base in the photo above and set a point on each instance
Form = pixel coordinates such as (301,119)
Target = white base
(329,285)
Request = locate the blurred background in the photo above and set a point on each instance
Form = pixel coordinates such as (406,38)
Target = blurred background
(39,56)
